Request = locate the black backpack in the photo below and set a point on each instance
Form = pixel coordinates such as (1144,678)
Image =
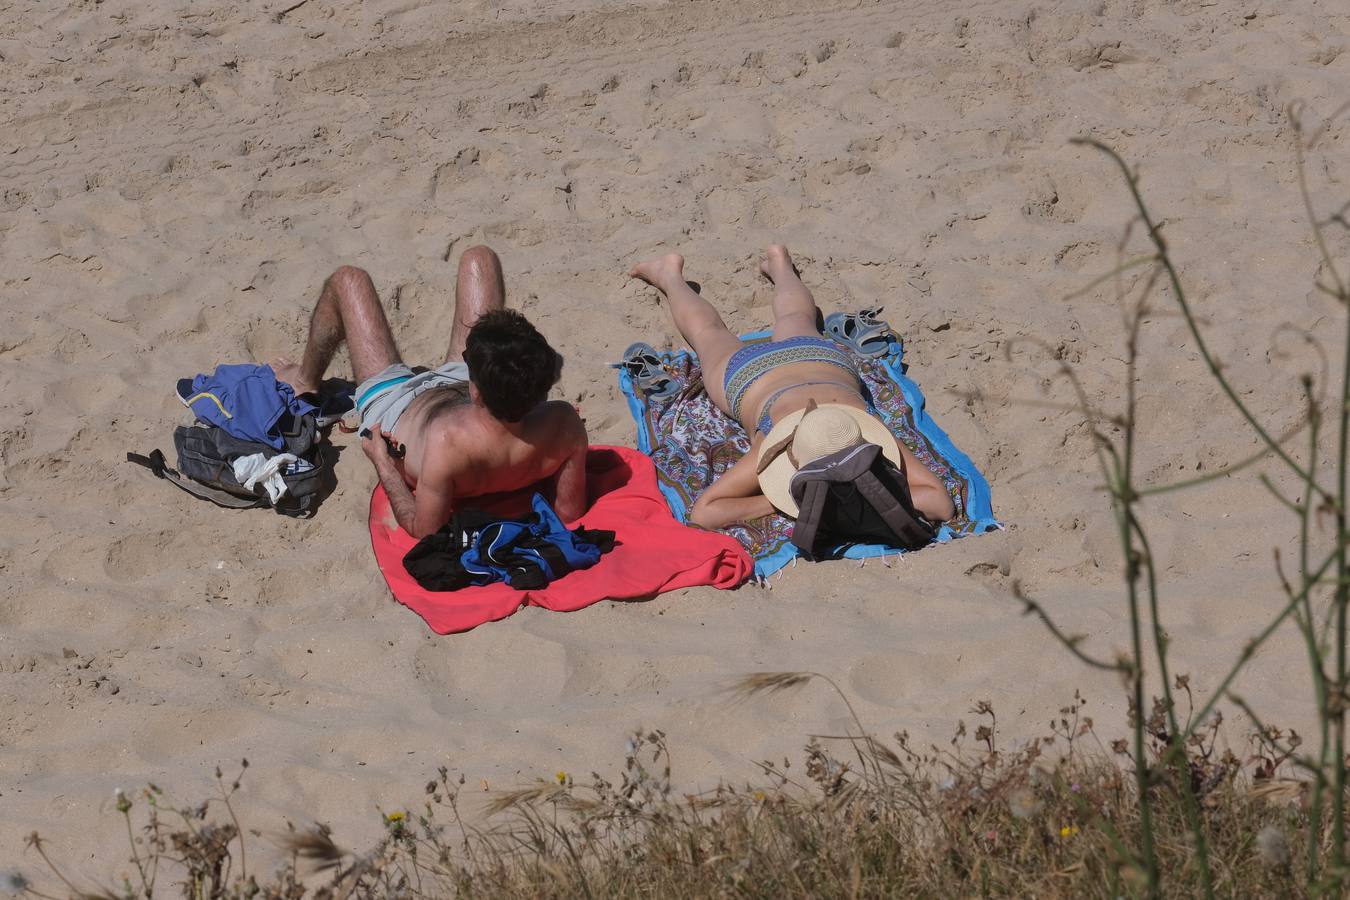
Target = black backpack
(206,456)
(856,496)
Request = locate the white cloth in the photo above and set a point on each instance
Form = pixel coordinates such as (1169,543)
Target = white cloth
(249,470)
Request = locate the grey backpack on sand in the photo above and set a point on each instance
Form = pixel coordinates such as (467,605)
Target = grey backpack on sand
(206,456)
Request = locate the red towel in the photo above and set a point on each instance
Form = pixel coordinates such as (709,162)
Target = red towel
(653,552)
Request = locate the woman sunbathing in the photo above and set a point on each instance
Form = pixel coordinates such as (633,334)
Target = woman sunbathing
(798,396)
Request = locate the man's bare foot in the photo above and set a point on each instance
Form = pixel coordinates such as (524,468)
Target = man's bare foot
(289,372)
(660,272)
(776,263)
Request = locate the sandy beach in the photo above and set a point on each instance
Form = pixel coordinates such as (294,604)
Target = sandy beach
(180,177)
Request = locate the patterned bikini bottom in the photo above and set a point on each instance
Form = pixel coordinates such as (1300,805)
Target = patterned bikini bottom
(753,361)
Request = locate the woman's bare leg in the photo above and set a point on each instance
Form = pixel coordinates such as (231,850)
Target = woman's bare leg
(794,309)
(350,310)
(696,319)
(479,288)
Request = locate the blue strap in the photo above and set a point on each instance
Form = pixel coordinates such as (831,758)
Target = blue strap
(372,392)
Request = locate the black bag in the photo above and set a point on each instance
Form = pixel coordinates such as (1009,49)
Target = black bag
(856,496)
(206,456)
(436,561)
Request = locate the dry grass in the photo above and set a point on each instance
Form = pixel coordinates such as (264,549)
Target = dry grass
(856,816)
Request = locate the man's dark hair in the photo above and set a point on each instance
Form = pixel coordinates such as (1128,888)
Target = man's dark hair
(510,363)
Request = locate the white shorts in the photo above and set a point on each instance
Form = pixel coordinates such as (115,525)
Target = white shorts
(382,398)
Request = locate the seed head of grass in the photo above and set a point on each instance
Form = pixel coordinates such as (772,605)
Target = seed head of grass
(316,846)
(748,686)
(524,797)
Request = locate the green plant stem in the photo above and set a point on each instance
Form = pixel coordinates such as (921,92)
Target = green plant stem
(1150,490)
(239,832)
(1315,660)
(1190,801)
(1308,475)
(1141,767)
(1031,607)
(135,856)
(36,843)
(1246,655)
(1342,593)
(1342,596)
(1123,503)
(1302,170)
(1134,263)
(1174,279)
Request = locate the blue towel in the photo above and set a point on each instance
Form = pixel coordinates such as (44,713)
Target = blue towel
(245,400)
(692,442)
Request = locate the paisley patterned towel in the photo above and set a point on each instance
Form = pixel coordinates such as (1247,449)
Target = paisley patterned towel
(692,442)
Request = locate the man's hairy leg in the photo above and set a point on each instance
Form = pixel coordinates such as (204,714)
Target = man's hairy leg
(348,309)
(479,288)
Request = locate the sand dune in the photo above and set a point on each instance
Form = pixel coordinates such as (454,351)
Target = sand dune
(179,178)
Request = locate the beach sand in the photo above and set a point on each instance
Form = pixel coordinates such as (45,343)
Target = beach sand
(180,177)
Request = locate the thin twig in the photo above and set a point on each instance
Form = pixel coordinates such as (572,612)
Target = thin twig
(278,16)
(1123,267)
(1070,642)
(1248,651)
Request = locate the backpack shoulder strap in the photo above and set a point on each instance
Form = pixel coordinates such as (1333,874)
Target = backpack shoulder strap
(159,467)
(809,511)
(898,512)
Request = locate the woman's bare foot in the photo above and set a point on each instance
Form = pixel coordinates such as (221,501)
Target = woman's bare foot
(289,372)
(660,272)
(777,263)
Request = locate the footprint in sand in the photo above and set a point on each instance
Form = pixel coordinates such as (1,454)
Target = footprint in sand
(887,678)
(536,668)
(140,556)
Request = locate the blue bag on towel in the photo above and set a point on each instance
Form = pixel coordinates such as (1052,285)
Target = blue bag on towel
(528,555)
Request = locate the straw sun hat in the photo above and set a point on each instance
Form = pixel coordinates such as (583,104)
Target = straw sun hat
(809,434)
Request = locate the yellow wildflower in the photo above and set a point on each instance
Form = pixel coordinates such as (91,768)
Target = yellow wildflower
(1068,831)
(561,776)
(394,818)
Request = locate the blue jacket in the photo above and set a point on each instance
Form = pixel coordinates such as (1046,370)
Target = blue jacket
(529,555)
(245,400)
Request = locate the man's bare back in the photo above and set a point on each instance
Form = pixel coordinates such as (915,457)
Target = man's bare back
(443,431)
(492,433)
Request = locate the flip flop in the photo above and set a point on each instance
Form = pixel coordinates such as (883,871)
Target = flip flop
(648,371)
(333,407)
(862,332)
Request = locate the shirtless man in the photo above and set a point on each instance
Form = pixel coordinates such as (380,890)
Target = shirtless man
(763,384)
(480,424)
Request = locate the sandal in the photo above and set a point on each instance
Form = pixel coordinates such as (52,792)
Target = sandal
(648,371)
(333,407)
(861,332)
